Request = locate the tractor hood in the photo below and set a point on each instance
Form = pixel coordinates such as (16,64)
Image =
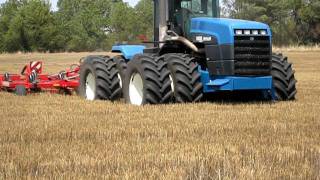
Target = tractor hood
(223,29)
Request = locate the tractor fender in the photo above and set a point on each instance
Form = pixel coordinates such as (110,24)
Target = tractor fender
(128,51)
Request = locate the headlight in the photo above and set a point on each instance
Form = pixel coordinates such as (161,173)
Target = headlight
(239,32)
(199,38)
(255,32)
(263,32)
(247,32)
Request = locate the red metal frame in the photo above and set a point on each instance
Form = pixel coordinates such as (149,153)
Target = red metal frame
(34,81)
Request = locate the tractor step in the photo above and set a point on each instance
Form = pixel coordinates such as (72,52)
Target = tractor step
(234,83)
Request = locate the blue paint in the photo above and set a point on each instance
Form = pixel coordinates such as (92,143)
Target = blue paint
(128,51)
(234,83)
(223,29)
(218,82)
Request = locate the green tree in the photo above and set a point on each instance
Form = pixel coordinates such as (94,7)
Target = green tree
(8,12)
(84,23)
(123,23)
(28,25)
(144,22)
(306,14)
(292,22)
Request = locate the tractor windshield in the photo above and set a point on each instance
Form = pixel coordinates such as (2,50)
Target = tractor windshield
(200,7)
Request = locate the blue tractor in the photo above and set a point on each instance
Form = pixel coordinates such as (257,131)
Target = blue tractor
(195,53)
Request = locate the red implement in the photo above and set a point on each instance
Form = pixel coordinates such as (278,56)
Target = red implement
(32,80)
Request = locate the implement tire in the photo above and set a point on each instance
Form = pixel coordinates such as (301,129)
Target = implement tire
(99,79)
(20,90)
(186,80)
(284,81)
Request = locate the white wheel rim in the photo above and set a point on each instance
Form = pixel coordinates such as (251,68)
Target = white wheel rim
(172,84)
(136,89)
(120,80)
(90,87)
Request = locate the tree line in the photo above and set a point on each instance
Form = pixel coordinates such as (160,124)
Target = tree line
(85,25)
(78,25)
(293,22)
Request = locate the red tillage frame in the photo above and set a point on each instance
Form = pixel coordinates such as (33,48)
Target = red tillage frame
(32,80)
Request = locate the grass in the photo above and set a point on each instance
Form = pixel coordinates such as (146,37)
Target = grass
(51,136)
(298,48)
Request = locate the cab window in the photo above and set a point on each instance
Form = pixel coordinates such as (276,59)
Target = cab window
(199,7)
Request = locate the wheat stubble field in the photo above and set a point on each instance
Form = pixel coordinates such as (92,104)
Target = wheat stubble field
(59,137)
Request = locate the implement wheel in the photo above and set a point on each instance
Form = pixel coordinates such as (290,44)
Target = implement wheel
(186,83)
(284,81)
(99,79)
(21,90)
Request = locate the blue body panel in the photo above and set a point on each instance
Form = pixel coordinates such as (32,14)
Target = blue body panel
(128,51)
(234,83)
(223,29)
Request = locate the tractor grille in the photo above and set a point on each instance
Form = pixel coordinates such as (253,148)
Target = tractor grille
(252,55)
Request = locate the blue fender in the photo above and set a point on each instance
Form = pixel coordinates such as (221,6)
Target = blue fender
(128,51)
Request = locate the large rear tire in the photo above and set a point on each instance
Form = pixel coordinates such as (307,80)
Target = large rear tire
(186,80)
(284,81)
(146,81)
(122,67)
(99,79)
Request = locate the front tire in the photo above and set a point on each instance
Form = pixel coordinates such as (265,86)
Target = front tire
(99,79)
(284,81)
(186,80)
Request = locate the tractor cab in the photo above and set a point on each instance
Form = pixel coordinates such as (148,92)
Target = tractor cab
(182,11)
(176,15)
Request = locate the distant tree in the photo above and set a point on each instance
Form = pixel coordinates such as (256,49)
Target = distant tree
(84,23)
(292,22)
(27,26)
(144,22)
(8,11)
(123,23)
(306,15)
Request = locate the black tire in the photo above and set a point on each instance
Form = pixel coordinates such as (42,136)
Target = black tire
(122,67)
(186,78)
(284,81)
(21,90)
(106,82)
(166,91)
(154,86)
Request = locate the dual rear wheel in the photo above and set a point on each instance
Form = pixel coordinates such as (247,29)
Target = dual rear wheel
(99,79)
(164,79)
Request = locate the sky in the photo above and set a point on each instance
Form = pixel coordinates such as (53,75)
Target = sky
(54,3)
